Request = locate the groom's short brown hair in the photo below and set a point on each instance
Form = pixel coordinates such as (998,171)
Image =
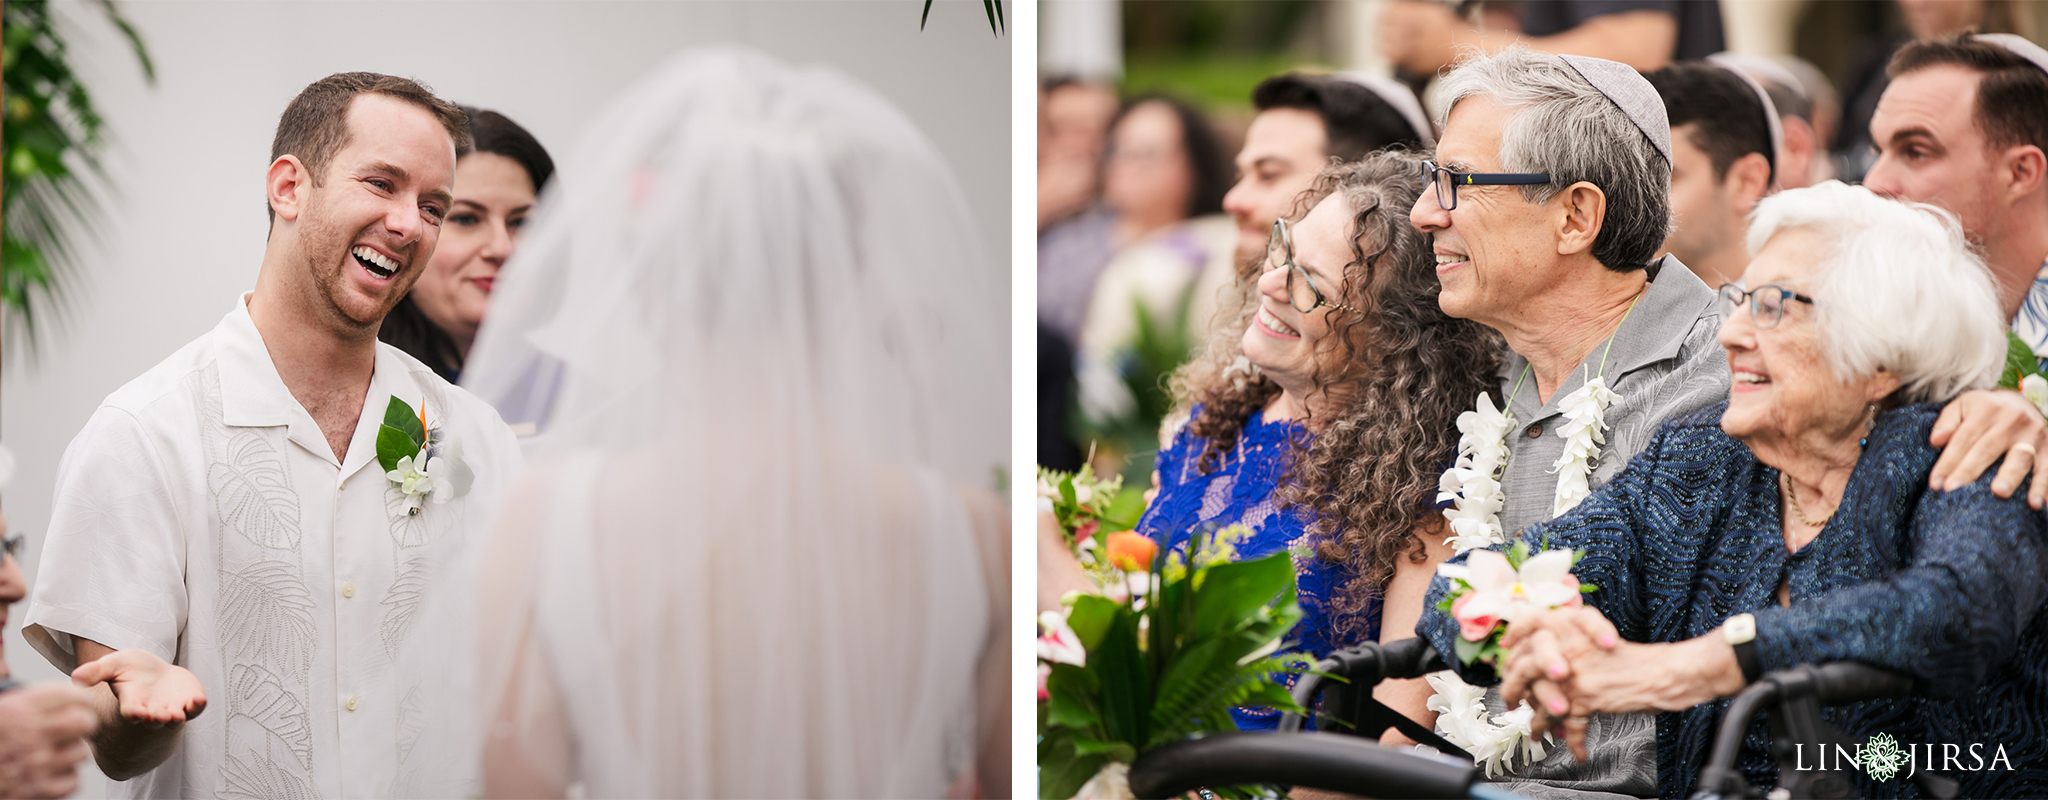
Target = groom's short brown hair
(315,126)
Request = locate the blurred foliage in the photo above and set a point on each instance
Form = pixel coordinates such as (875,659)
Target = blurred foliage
(1128,444)
(51,131)
(1214,83)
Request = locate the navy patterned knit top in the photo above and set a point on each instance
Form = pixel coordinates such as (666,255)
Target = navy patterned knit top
(1242,489)
(1946,587)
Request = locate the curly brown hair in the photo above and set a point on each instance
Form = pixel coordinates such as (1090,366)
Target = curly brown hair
(1390,401)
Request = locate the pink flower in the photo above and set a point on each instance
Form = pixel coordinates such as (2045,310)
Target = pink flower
(1044,671)
(1086,530)
(1059,644)
(1473,629)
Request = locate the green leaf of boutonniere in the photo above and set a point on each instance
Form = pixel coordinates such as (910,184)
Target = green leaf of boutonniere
(401,434)
(2019,362)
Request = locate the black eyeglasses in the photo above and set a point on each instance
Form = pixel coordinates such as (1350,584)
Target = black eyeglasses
(13,545)
(1766,303)
(1302,295)
(1447,182)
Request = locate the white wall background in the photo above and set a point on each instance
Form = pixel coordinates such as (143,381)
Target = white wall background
(184,234)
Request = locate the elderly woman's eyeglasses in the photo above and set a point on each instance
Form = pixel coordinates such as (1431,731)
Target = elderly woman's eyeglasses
(12,546)
(1302,293)
(1447,182)
(1766,303)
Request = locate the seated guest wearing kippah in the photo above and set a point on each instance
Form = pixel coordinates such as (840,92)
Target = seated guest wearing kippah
(1721,164)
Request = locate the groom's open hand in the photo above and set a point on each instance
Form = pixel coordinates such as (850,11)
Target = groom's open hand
(149,690)
(142,702)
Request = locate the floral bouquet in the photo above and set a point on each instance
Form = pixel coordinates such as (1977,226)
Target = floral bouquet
(1492,589)
(1098,516)
(1118,677)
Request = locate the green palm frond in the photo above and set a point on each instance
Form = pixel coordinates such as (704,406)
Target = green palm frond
(50,145)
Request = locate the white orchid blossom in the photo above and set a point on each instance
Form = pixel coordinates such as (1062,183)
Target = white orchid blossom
(1059,644)
(1462,720)
(1585,417)
(1472,484)
(2035,389)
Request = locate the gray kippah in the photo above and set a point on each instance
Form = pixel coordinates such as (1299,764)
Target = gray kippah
(2019,47)
(1630,92)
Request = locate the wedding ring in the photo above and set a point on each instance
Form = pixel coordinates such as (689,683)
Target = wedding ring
(2028,445)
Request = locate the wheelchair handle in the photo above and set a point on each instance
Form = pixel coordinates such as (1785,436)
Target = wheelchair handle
(1316,760)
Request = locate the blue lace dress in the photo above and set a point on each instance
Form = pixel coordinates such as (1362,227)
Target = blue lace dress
(1242,489)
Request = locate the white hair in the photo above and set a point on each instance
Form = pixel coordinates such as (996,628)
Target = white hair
(1900,289)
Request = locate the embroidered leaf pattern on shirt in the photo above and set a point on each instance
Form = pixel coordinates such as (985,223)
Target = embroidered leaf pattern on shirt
(266,615)
(257,778)
(401,603)
(253,491)
(264,700)
(412,719)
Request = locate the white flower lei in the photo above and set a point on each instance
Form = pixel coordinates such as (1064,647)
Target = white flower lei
(1472,485)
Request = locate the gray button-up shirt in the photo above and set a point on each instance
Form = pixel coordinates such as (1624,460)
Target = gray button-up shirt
(1665,361)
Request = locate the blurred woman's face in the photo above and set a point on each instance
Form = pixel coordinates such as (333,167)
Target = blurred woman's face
(1290,345)
(1147,176)
(493,196)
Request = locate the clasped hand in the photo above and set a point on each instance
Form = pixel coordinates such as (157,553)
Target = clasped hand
(1571,662)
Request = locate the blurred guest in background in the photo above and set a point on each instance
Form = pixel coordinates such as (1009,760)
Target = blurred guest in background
(1163,166)
(496,183)
(1073,120)
(1803,120)
(1421,37)
(1721,160)
(1963,125)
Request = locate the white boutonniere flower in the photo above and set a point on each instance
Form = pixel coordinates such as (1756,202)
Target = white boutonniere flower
(424,462)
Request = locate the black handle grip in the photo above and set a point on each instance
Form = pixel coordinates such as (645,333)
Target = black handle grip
(1315,760)
(1844,682)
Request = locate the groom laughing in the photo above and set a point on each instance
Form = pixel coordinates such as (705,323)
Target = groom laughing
(234,531)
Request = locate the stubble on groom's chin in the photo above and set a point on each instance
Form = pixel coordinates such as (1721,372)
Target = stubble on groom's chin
(325,258)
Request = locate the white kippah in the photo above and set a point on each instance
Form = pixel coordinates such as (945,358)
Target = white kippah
(1777,129)
(1400,97)
(1629,91)
(2019,47)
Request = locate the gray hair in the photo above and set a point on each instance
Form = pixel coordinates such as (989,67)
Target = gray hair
(1563,126)
(1900,289)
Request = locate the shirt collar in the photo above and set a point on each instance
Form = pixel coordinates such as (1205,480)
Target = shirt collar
(1673,302)
(253,395)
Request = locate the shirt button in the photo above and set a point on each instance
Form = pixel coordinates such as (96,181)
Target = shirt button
(351,703)
(1535,430)
(348,590)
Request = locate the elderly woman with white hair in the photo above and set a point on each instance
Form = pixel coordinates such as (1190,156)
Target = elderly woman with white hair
(1794,523)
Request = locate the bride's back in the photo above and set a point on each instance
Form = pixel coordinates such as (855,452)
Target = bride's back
(767,357)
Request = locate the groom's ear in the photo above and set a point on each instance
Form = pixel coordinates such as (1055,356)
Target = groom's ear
(286,185)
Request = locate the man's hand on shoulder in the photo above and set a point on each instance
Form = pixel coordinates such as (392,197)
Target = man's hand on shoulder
(42,739)
(142,702)
(1978,428)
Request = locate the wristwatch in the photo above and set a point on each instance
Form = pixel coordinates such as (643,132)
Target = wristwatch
(1740,632)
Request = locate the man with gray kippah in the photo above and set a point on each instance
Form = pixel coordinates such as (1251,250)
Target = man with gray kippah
(1551,195)
(1551,198)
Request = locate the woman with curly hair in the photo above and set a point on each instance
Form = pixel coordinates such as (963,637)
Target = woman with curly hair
(1322,412)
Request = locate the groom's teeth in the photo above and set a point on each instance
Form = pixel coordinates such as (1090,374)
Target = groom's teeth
(384,267)
(1444,259)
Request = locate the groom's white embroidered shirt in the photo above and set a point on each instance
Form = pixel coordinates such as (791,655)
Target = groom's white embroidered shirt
(202,516)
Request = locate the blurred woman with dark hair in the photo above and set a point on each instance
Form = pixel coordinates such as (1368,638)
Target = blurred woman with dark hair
(496,183)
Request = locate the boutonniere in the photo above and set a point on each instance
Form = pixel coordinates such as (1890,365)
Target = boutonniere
(423,461)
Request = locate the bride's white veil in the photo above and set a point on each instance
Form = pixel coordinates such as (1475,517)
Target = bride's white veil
(766,359)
